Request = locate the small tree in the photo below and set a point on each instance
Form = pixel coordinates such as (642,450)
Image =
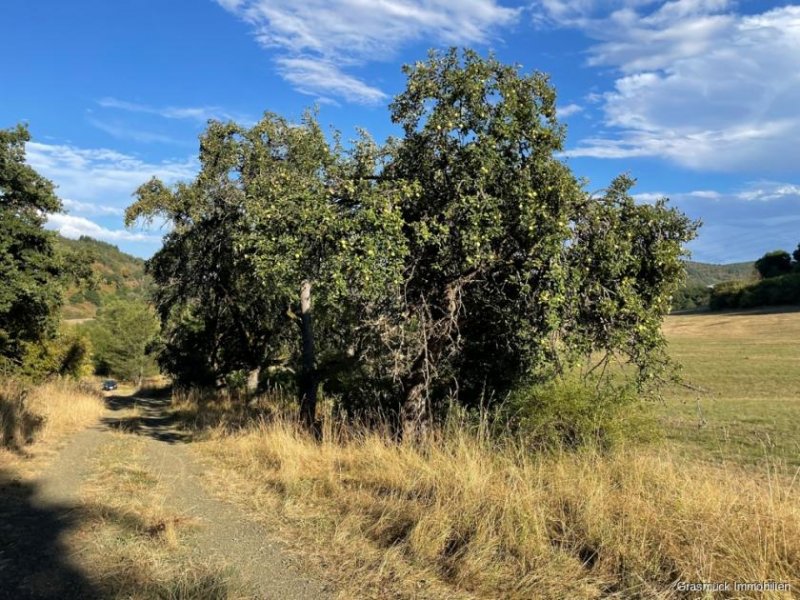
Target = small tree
(121,335)
(774,264)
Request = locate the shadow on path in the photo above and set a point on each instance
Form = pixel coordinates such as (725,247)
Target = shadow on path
(34,560)
(152,419)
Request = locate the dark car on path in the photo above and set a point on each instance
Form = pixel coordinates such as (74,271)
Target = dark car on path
(109,384)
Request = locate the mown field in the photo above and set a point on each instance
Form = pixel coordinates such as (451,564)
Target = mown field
(748,366)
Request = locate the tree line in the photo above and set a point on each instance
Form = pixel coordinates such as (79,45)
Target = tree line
(456,262)
(779,284)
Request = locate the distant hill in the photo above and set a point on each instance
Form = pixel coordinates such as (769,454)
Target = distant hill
(698,273)
(115,275)
(699,276)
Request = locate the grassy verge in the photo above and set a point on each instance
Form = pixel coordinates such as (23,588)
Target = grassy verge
(748,365)
(458,518)
(40,417)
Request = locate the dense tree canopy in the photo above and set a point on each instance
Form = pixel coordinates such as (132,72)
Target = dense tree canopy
(122,336)
(774,264)
(456,262)
(30,268)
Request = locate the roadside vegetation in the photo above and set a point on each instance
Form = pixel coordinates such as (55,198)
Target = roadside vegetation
(37,418)
(462,515)
(433,363)
(773,280)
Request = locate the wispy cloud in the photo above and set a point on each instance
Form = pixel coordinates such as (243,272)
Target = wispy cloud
(123,131)
(90,208)
(319,77)
(697,83)
(736,230)
(320,40)
(200,114)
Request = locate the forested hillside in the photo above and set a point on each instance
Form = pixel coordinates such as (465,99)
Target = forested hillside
(115,274)
(698,273)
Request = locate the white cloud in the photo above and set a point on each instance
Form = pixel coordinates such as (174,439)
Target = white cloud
(322,37)
(697,83)
(100,176)
(90,208)
(97,182)
(74,227)
(760,191)
(568,110)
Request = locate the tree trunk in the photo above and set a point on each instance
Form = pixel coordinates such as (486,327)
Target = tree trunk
(414,412)
(308,372)
(252,380)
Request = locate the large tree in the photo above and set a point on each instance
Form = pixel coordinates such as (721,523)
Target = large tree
(457,261)
(279,222)
(514,269)
(30,268)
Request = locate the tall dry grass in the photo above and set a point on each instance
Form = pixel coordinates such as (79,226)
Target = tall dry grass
(457,517)
(45,413)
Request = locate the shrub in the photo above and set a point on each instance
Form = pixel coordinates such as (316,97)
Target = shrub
(571,413)
(774,291)
(726,295)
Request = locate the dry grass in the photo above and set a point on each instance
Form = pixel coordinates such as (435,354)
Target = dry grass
(458,518)
(45,414)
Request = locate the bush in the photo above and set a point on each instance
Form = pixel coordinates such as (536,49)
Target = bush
(775,291)
(570,414)
(66,355)
(691,296)
(774,264)
(726,295)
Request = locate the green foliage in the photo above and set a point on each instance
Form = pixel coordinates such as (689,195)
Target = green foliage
(571,413)
(30,268)
(774,291)
(454,262)
(68,354)
(774,264)
(691,296)
(121,338)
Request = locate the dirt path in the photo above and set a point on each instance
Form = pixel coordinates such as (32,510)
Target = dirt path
(39,557)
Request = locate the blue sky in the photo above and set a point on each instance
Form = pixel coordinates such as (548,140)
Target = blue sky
(697,99)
